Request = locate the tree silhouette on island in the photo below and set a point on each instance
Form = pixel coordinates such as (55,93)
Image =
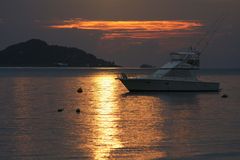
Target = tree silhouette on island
(37,53)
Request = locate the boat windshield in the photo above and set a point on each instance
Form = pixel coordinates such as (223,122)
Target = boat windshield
(189,58)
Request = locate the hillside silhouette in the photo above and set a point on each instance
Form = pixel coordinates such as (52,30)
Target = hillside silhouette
(37,53)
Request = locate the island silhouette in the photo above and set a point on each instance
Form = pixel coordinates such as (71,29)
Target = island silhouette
(37,53)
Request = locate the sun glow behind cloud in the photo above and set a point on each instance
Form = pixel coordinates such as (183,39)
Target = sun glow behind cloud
(133,29)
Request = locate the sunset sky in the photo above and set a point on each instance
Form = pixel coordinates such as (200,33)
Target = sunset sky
(129,32)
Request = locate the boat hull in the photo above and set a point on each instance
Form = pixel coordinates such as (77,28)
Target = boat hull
(156,85)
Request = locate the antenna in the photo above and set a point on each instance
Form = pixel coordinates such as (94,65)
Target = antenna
(209,35)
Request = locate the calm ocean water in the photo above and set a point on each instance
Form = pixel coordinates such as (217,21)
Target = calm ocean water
(114,124)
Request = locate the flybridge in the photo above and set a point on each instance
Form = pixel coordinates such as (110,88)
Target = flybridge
(185,61)
(189,60)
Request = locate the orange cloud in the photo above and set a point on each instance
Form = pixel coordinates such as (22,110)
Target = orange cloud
(145,35)
(131,29)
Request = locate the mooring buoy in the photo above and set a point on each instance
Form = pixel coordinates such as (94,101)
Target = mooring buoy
(224,96)
(60,110)
(80,90)
(78,110)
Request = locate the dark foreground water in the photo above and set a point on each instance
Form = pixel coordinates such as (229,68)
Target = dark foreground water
(114,124)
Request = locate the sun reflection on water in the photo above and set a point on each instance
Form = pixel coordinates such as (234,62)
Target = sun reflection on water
(123,129)
(106,118)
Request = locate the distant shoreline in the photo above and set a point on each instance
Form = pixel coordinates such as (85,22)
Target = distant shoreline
(119,67)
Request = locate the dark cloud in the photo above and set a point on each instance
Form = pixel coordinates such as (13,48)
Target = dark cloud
(24,19)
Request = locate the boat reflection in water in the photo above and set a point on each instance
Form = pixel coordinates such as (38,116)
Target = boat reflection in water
(172,118)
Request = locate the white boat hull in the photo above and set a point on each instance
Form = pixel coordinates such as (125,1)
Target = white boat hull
(153,85)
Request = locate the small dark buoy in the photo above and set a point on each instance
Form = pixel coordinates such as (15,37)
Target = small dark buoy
(78,110)
(224,96)
(79,90)
(60,110)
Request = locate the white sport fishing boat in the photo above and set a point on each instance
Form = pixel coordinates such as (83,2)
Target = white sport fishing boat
(176,75)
